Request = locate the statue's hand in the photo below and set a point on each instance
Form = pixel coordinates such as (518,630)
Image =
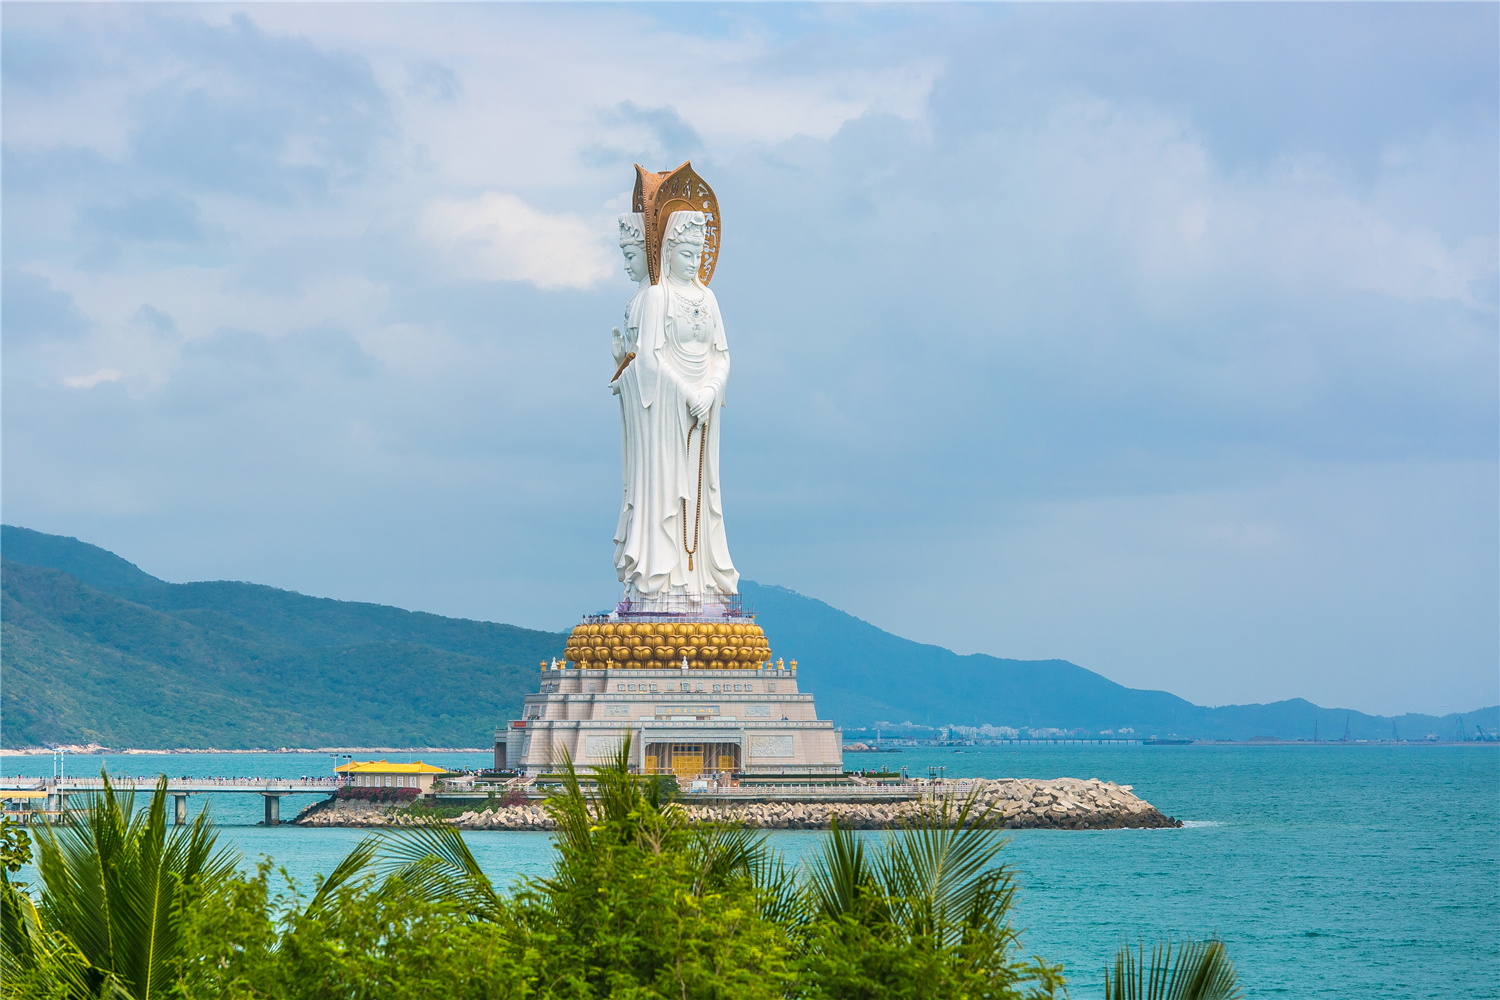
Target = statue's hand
(616,345)
(702,404)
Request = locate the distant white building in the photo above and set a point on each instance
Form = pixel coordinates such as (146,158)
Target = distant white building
(990,732)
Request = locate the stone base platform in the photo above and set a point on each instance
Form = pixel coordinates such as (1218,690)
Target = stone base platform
(694,723)
(693,684)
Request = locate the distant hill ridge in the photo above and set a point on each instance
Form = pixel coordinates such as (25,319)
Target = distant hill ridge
(96,567)
(863,676)
(96,649)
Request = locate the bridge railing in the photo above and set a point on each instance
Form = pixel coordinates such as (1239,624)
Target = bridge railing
(228,784)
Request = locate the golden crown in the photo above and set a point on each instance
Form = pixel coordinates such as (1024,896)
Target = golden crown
(658,195)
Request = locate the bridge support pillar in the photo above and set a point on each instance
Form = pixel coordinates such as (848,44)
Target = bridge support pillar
(180,813)
(273,810)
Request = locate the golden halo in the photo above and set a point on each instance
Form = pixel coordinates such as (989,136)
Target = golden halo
(658,195)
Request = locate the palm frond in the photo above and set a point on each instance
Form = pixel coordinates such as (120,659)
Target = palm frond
(116,885)
(21,934)
(72,860)
(721,852)
(141,889)
(777,887)
(939,871)
(1197,970)
(570,811)
(345,871)
(33,960)
(433,858)
(838,874)
(620,808)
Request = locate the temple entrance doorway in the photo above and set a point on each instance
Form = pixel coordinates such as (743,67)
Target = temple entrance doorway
(692,760)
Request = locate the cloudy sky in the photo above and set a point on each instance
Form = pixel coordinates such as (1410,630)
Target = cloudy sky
(1158,338)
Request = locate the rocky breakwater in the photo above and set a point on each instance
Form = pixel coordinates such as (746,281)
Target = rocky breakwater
(528,817)
(1070,804)
(1013,803)
(1016,804)
(343,812)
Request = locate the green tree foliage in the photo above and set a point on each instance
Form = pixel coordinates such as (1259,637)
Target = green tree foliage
(641,905)
(391,941)
(15,845)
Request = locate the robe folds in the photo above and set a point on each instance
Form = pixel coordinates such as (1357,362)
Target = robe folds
(678,339)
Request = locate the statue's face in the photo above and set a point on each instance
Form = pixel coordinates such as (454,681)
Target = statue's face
(684,260)
(635,261)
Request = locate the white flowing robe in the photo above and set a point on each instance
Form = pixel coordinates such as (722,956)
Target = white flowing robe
(627,388)
(680,349)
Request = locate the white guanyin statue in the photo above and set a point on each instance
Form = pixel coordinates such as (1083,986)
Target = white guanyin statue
(671,552)
(623,346)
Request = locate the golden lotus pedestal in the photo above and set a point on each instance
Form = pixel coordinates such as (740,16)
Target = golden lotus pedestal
(656,645)
(702,699)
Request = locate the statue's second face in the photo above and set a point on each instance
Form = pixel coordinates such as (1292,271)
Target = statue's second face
(684,260)
(635,261)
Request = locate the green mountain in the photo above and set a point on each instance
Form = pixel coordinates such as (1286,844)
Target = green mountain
(95,649)
(97,567)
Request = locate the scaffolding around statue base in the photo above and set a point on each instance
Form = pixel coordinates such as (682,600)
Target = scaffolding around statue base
(712,607)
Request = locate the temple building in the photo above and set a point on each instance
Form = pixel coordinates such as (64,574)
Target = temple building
(381,774)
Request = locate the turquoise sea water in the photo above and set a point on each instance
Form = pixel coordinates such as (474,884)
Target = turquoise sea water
(1330,871)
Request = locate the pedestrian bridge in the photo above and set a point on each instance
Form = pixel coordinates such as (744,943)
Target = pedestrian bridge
(57,790)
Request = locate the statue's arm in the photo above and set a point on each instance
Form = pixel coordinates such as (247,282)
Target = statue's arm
(718,377)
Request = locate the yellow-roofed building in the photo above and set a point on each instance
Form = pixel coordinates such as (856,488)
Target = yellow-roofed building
(382,774)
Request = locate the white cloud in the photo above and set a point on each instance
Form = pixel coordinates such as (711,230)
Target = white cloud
(498,237)
(1142,183)
(532,75)
(89,381)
